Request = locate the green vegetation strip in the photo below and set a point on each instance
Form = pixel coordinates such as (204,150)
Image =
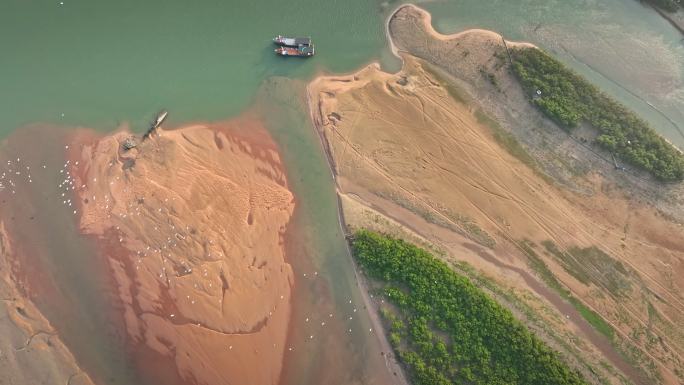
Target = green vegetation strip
(539,266)
(569,100)
(447,331)
(592,265)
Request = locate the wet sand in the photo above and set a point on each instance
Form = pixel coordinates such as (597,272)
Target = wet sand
(39,310)
(327,303)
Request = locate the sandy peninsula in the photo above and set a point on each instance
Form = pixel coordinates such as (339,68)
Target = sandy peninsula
(444,156)
(192,223)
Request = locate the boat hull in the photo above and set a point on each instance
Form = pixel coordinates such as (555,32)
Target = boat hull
(304,51)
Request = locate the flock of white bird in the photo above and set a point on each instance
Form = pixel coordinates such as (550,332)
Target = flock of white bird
(17,172)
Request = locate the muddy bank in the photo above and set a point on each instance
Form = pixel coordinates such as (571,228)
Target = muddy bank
(31,350)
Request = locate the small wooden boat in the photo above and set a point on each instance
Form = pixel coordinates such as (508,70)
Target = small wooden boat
(291,41)
(161,116)
(301,51)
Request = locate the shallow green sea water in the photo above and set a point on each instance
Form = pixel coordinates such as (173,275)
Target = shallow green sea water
(98,64)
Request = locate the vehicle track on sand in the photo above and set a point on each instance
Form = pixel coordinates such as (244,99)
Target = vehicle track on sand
(481,181)
(528,207)
(542,219)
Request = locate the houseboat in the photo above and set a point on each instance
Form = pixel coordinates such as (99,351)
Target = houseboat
(161,116)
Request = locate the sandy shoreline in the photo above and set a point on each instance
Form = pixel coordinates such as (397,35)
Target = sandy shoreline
(30,347)
(32,351)
(202,279)
(391,362)
(675,19)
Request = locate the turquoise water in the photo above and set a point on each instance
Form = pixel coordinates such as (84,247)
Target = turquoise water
(99,64)
(104,62)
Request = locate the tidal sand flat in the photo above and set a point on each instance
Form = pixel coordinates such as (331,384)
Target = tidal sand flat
(598,252)
(161,263)
(192,223)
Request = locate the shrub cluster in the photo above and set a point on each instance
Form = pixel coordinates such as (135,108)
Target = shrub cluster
(569,99)
(447,331)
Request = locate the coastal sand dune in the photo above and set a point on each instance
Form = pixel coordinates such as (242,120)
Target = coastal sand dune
(192,222)
(419,151)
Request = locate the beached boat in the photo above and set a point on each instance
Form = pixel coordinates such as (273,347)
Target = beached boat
(291,41)
(302,51)
(161,116)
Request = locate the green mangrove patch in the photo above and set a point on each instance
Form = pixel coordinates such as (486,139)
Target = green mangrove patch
(569,100)
(444,329)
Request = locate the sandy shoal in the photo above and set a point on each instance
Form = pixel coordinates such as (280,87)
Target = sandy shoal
(425,19)
(192,220)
